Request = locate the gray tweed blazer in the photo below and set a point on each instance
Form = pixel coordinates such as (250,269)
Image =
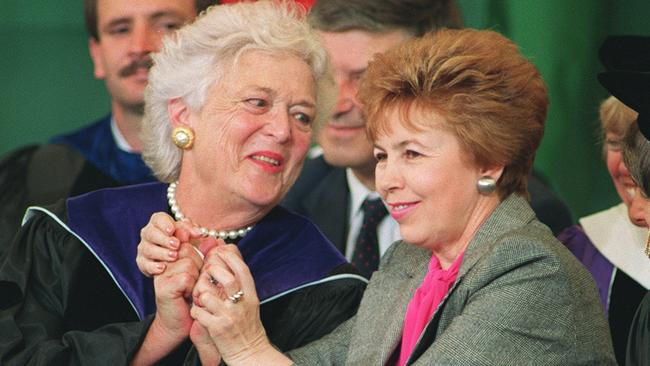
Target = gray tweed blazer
(520,298)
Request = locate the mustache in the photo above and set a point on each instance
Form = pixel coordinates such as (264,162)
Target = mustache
(134,66)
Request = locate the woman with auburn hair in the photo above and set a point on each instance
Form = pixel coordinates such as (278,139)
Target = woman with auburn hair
(456,117)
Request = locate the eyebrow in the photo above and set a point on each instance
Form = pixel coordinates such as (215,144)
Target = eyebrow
(154,16)
(306,103)
(273,93)
(404,143)
(166,13)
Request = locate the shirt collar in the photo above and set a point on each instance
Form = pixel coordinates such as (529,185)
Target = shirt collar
(358,192)
(120,141)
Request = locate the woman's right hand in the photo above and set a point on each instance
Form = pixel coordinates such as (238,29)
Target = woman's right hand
(233,324)
(172,322)
(205,347)
(159,243)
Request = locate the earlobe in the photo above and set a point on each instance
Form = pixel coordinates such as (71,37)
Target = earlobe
(494,172)
(95,55)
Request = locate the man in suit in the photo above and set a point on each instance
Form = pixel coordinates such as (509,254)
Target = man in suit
(106,153)
(333,185)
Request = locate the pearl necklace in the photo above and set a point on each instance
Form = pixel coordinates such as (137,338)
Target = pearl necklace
(205,232)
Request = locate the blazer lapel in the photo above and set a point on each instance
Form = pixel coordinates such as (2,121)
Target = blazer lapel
(384,305)
(512,213)
(327,206)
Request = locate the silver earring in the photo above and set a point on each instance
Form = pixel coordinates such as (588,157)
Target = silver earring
(486,185)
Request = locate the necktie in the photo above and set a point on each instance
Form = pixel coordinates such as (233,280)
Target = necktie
(366,249)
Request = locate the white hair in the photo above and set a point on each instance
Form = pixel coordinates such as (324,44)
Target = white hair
(193,60)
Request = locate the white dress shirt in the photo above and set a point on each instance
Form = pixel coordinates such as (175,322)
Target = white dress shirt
(388,229)
(120,140)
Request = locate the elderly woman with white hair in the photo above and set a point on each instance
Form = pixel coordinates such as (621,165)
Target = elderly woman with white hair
(230,106)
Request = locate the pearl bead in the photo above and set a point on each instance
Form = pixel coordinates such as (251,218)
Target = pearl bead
(178,214)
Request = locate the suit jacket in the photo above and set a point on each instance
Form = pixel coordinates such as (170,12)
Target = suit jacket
(321,193)
(520,298)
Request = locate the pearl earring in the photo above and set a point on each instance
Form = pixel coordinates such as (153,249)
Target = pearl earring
(183,137)
(486,185)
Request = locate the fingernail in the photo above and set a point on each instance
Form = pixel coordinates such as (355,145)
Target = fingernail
(173,243)
(172,254)
(160,266)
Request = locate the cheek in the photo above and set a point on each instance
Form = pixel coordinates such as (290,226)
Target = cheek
(646,214)
(613,163)
(301,142)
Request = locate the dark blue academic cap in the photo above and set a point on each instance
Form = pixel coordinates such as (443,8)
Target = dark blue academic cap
(627,74)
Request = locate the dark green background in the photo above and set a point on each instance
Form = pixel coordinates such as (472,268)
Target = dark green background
(47,85)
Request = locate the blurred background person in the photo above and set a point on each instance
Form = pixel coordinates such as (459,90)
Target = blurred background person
(636,154)
(122,35)
(231,103)
(456,118)
(608,242)
(627,77)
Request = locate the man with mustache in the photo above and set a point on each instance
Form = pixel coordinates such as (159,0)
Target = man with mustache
(106,153)
(336,188)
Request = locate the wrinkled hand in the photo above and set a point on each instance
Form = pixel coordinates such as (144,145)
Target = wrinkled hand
(173,290)
(160,240)
(235,328)
(207,350)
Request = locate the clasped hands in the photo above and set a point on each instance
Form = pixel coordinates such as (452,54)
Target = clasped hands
(192,293)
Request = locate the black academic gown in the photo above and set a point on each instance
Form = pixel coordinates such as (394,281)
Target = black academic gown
(638,345)
(67,297)
(70,165)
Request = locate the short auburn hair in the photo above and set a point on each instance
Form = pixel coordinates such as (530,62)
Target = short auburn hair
(490,96)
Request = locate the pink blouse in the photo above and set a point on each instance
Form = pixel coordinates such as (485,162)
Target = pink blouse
(424,303)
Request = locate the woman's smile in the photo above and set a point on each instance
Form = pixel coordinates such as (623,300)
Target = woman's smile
(268,160)
(401,209)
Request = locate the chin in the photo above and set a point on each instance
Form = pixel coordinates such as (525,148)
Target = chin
(266,199)
(413,238)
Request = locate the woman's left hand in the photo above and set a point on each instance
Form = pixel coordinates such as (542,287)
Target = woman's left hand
(207,350)
(232,320)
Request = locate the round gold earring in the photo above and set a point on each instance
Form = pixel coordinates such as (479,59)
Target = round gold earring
(183,137)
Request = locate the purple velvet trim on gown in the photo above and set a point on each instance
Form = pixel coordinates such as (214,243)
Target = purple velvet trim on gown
(283,251)
(575,239)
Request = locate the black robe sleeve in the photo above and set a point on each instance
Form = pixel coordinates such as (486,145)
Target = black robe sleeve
(13,195)
(303,316)
(59,306)
(308,314)
(638,345)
